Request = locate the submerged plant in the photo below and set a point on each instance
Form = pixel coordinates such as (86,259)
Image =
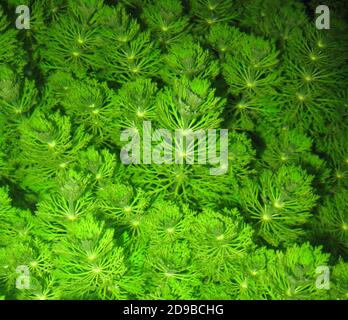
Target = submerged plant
(173,150)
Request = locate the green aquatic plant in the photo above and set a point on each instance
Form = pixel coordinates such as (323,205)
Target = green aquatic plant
(173,150)
(166,20)
(280,203)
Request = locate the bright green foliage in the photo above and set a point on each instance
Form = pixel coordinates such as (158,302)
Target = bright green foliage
(138,57)
(187,58)
(193,183)
(250,68)
(90,104)
(118,25)
(136,103)
(166,21)
(220,240)
(340,281)
(69,203)
(224,38)
(189,105)
(335,226)
(280,21)
(71,44)
(290,147)
(173,275)
(22,99)
(260,214)
(313,74)
(290,274)
(47,137)
(293,271)
(10,52)
(280,204)
(88,258)
(99,166)
(208,13)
